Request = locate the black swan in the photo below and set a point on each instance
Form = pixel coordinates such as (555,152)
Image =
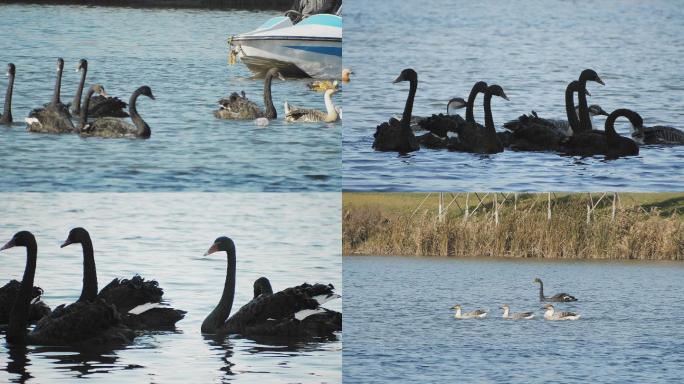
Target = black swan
(397,135)
(8,294)
(133,298)
(533,133)
(80,324)
(238,107)
(658,134)
(564,297)
(608,142)
(584,117)
(439,125)
(112,127)
(53,117)
(262,287)
(473,137)
(101,105)
(6,116)
(293,313)
(308,115)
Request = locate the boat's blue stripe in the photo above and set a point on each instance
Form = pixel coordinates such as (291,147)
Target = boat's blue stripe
(332,51)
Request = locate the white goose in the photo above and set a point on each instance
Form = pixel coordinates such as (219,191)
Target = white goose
(515,315)
(551,314)
(296,114)
(476,314)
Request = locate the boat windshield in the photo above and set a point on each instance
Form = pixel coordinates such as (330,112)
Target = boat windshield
(323,19)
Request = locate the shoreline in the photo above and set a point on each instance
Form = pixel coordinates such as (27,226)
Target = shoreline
(250,5)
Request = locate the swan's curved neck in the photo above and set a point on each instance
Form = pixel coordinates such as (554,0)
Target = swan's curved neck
(570,108)
(584,119)
(84,109)
(330,107)
(470,105)
(79,92)
(610,125)
(58,84)
(408,108)
(268,99)
(18,319)
(489,119)
(218,316)
(143,128)
(89,291)
(7,111)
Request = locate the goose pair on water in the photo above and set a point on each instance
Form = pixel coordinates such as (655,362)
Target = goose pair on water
(123,306)
(239,107)
(481,314)
(55,117)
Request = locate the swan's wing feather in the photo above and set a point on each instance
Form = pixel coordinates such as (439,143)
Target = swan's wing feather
(101,106)
(127,294)
(50,120)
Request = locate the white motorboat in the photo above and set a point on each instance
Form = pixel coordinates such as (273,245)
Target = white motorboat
(309,48)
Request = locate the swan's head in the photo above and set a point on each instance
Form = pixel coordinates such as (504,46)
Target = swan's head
(20,239)
(221,244)
(455,103)
(480,87)
(76,236)
(60,64)
(406,75)
(99,89)
(496,90)
(11,69)
(262,286)
(456,307)
(147,91)
(274,72)
(346,72)
(537,280)
(590,75)
(596,110)
(82,64)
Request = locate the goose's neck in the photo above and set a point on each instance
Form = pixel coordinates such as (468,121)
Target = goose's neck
(18,319)
(330,108)
(458,312)
(489,119)
(470,105)
(143,128)
(505,313)
(584,119)
(570,110)
(268,99)
(89,291)
(218,316)
(79,92)
(7,111)
(408,108)
(58,84)
(84,109)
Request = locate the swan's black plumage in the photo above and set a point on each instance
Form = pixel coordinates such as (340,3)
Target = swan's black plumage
(584,118)
(6,116)
(123,294)
(238,107)
(475,138)
(559,297)
(112,127)
(8,294)
(395,135)
(608,142)
(100,105)
(53,117)
(271,315)
(262,287)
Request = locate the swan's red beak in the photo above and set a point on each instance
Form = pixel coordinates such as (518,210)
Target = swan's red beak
(10,244)
(214,248)
(65,243)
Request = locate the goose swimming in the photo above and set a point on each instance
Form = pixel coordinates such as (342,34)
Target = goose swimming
(564,297)
(396,135)
(238,107)
(515,315)
(295,114)
(6,116)
(476,314)
(551,314)
(658,134)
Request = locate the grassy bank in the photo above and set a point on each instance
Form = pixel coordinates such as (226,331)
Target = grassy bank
(280,5)
(637,226)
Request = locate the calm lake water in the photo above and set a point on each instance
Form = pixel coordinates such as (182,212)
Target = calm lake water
(182,56)
(398,326)
(532,49)
(290,238)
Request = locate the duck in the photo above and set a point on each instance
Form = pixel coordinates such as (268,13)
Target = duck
(291,314)
(395,135)
(559,297)
(6,116)
(475,138)
(551,314)
(476,314)
(99,106)
(53,117)
(295,114)
(607,143)
(81,324)
(323,85)
(516,315)
(112,127)
(238,107)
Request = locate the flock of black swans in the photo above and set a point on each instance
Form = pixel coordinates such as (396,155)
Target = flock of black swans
(125,307)
(576,136)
